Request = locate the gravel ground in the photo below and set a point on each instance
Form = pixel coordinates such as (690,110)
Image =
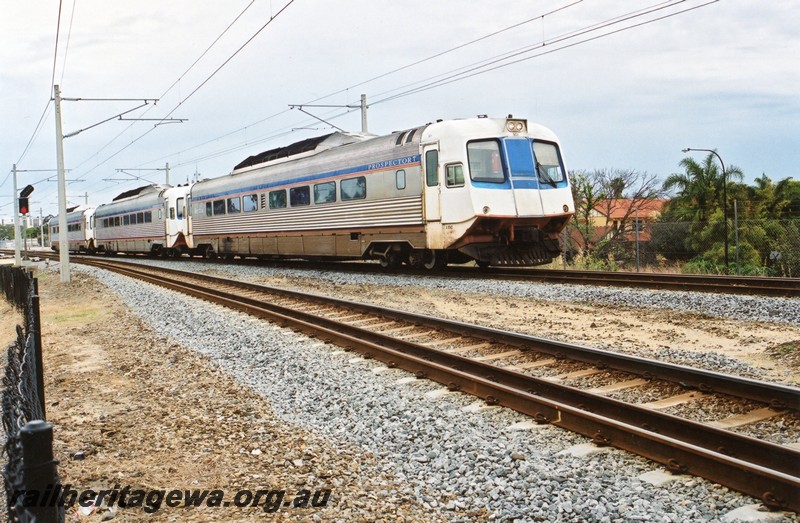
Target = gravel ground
(750,308)
(453,462)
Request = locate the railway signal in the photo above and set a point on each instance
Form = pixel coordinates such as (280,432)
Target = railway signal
(23,206)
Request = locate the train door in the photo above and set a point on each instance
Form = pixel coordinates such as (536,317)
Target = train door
(433,189)
(432,194)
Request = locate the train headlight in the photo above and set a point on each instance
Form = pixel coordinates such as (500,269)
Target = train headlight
(515,126)
(486,210)
(566,208)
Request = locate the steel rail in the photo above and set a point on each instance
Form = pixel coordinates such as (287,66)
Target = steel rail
(776,395)
(741,285)
(758,468)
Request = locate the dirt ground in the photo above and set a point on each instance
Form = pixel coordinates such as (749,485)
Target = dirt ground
(131,409)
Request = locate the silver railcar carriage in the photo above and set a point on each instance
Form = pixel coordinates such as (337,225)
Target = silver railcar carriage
(490,190)
(80,230)
(149,220)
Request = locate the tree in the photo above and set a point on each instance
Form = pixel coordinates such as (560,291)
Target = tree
(628,184)
(699,188)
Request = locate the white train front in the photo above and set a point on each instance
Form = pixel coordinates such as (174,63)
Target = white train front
(490,190)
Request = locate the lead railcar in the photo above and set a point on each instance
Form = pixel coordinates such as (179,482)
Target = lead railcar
(493,190)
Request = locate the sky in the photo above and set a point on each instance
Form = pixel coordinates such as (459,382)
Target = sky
(624,84)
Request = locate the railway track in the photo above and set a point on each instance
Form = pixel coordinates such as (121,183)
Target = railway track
(746,285)
(569,386)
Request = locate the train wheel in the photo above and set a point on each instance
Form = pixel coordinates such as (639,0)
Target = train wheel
(391,260)
(435,260)
(208,253)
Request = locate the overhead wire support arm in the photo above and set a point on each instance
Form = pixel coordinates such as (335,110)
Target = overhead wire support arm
(300,108)
(116,116)
(363,106)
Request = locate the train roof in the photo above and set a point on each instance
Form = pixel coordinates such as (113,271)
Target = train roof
(139,190)
(315,145)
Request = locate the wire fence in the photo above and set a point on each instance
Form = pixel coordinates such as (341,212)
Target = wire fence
(29,469)
(748,247)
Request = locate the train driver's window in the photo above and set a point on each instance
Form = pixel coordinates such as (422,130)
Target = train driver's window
(455,175)
(432,168)
(353,188)
(299,196)
(400,179)
(485,164)
(234,205)
(277,199)
(250,203)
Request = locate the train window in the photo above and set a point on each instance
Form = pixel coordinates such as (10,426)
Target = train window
(180,206)
(126,220)
(148,216)
(325,192)
(299,196)
(208,209)
(116,221)
(410,136)
(485,164)
(354,188)
(160,214)
(219,207)
(250,203)
(400,138)
(400,179)
(547,165)
(172,213)
(234,205)
(455,175)
(432,168)
(277,199)
(134,219)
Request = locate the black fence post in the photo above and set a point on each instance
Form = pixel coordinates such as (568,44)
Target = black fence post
(39,469)
(36,333)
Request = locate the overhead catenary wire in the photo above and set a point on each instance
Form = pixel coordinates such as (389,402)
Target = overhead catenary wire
(196,89)
(483,66)
(363,82)
(176,82)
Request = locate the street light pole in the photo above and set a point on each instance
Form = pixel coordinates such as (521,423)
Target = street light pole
(724,198)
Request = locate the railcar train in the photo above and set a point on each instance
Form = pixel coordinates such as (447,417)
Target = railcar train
(149,220)
(80,230)
(492,190)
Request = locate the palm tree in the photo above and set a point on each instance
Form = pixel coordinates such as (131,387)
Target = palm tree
(699,187)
